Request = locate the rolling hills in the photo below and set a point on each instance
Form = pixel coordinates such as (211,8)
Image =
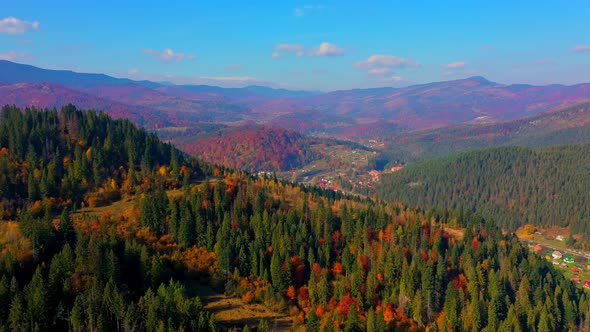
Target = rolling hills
(567,125)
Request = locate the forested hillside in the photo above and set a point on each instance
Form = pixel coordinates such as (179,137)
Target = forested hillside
(332,262)
(512,186)
(252,148)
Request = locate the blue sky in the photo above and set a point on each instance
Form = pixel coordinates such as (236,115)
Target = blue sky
(325,45)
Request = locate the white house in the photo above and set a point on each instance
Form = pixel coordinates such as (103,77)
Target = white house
(556,255)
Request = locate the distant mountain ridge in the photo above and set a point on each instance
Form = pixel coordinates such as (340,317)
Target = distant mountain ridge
(378,113)
(565,125)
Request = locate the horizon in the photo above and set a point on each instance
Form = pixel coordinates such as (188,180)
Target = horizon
(164,83)
(327,46)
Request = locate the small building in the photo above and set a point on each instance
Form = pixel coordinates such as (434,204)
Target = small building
(556,255)
(397,168)
(560,238)
(576,279)
(568,259)
(537,248)
(575,270)
(586,284)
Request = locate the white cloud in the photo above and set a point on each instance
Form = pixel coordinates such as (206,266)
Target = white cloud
(168,55)
(289,47)
(456,64)
(379,71)
(328,49)
(296,48)
(133,71)
(304,10)
(15,56)
(298,12)
(386,61)
(383,64)
(581,48)
(324,49)
(393,79)
(14,26)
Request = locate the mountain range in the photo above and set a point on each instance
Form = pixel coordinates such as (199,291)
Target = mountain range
(470,100)
(436,113)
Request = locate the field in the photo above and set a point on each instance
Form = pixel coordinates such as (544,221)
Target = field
(232,312)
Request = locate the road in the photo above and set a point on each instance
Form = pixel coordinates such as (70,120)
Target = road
(572,252)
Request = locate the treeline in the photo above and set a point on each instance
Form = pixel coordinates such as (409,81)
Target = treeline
(510,185)
(333,262)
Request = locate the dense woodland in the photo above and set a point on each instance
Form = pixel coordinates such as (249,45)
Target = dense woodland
(253,148)
(511,185)
(333,262)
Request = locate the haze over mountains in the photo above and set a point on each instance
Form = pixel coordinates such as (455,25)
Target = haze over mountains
(383,113)
(470,100)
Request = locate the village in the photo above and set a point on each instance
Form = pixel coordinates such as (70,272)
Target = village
(342,168)
(574,263)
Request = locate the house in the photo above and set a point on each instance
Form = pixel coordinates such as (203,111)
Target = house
(556,255)
(374,175)
(537,248)
(397,168)
(560,238)
(576,280)
(586,284)
(568,259)
(575,270)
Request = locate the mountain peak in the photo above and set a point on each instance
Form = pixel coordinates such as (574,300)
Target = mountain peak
(479,79)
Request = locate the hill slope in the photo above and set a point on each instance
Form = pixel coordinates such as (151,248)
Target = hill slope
(511,186)
(11,72)
(568,125)
(253,148)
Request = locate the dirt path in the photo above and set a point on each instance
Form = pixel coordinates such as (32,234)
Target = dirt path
(233,312)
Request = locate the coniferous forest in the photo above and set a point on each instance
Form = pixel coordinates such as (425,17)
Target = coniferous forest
(330,261)
(511,185)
